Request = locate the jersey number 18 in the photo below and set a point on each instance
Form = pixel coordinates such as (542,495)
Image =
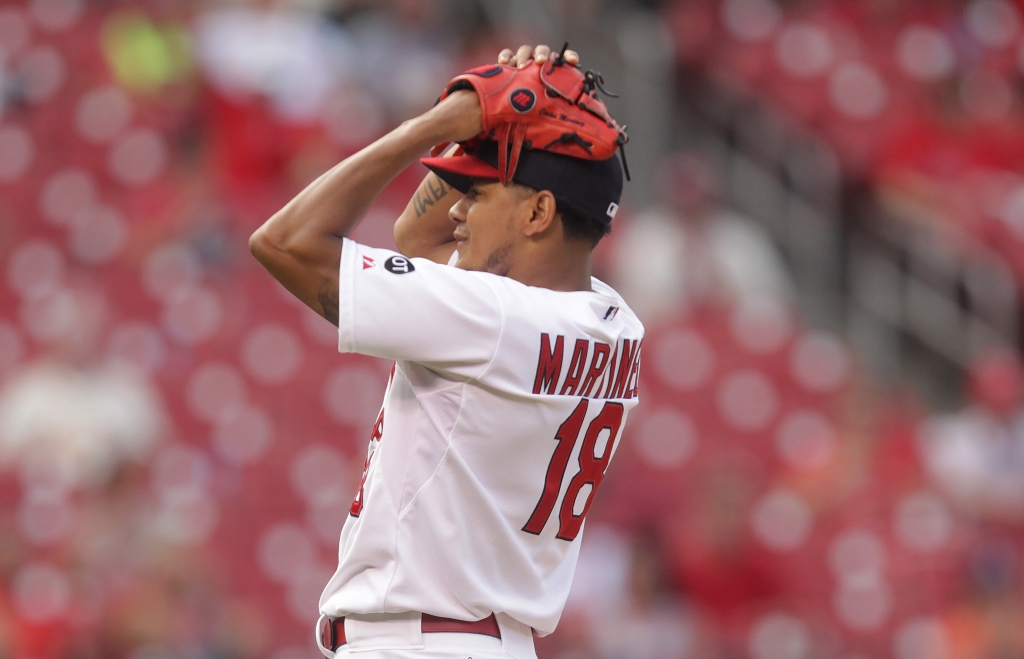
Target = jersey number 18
(591,467)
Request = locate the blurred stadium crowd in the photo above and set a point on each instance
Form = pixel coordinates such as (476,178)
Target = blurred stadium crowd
(825,239)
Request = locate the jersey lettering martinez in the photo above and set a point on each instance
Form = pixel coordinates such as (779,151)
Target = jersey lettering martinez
(504,408)
(612,371)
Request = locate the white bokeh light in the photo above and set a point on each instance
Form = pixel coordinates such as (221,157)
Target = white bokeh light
(858,91)
(806,439)
(170,267)
(42,72)
(804,50)
(243,435)
(284,551)
(40,592)
(994,23)
(272,353)
(102,113)
(683,359)
(747,400)
(214,390)
(53,317)
(137,344)
(782,520)
(138,157)
(98,234)
(56,15)
(925,53)
(820,362)
(751,20)
(761,324)
(780,636)
(321,474)
(666,438)
(67,193)
(192,315)
(45,516)
(921,638)
(863,605)
(35,269)
(857,555)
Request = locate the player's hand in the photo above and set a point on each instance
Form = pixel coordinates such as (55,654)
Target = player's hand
(459,116)
(541,53)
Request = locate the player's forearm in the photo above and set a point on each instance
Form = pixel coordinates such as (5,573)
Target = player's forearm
(424,228)
(301,244)
(331,206)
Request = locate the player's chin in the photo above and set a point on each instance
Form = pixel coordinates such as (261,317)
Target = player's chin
(465,260)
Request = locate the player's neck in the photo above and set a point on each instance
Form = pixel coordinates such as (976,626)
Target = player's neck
(568,270)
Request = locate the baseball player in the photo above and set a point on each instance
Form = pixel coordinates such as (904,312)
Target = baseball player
(514,369)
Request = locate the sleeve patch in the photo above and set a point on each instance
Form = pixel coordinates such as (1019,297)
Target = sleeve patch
(399,265)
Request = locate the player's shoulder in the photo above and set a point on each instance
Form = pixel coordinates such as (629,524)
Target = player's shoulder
(597,311)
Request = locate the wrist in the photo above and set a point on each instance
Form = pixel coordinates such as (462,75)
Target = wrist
(427,129)
(457,118)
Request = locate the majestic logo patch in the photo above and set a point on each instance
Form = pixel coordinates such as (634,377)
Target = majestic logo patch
(613,209)
(368,263)
(399,265)
(522,100)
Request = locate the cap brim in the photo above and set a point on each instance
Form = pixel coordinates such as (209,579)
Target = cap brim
(459,171)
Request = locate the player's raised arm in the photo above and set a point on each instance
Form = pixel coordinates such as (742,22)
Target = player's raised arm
(301,244)
(424,228)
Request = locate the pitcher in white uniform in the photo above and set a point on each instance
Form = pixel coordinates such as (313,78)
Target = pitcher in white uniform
(514,373)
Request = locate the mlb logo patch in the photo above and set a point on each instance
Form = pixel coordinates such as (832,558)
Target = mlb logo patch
(613,208)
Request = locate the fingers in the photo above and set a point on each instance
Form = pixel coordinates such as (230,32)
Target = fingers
(540,53)
(523,55)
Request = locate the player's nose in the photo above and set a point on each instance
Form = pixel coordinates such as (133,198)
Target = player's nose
(457,213)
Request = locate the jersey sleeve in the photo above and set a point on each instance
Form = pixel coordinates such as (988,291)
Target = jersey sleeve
(395,307)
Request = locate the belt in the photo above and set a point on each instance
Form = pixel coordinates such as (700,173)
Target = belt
(332,630)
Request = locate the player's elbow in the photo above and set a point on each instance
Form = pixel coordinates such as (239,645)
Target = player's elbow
(261,245)
(271,245)
(404,237)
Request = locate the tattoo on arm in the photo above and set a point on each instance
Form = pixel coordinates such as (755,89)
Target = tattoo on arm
(431,191)
(328,298)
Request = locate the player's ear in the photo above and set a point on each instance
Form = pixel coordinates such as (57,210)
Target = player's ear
(543,211)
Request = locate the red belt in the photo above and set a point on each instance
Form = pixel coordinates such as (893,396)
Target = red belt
(332,633)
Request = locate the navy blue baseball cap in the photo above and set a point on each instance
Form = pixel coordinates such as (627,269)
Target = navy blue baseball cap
(590,187)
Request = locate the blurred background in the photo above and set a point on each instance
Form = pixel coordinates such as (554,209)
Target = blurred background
(824,236)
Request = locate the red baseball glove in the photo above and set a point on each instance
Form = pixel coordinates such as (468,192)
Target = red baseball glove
(551,106)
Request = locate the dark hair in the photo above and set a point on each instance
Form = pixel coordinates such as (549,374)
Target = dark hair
(577,226)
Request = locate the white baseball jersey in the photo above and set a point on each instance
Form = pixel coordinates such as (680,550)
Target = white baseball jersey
(503,410)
